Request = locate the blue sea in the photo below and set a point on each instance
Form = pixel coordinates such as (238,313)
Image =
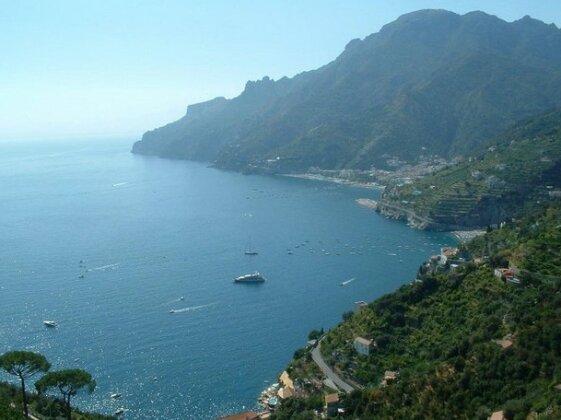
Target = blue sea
(107,243)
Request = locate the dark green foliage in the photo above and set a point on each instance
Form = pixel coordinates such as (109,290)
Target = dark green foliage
(347,315)
(532,244)
(430,82)
(68,382)
(315,334)
(298,354)
(24,365)
(47,408)
(8,395)
(443,335)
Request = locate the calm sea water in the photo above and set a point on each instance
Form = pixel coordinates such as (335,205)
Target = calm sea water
(144,232)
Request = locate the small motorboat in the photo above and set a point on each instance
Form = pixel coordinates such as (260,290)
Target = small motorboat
(116,395)
(50,324)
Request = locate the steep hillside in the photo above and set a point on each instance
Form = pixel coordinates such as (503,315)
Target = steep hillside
(520,167)
(430,82)
(457,343)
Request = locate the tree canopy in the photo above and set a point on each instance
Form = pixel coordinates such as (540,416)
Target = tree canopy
(24,364)
(68,382)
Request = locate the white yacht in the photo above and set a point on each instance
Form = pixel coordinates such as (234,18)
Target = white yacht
(250,278)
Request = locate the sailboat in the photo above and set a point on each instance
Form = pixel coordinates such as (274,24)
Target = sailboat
(249,250)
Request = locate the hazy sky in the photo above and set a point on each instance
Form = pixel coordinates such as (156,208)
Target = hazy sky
(114,68)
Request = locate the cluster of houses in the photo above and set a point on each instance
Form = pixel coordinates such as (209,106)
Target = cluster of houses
(283,390)
(447,259)
(277,392)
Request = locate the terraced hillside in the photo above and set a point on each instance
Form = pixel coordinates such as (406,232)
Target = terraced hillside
(458,342)
(521,166)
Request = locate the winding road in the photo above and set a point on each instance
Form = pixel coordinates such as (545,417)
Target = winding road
(327,371)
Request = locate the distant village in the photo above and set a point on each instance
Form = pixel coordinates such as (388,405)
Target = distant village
(394,171)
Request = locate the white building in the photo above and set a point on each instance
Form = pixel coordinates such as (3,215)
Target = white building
(363,346)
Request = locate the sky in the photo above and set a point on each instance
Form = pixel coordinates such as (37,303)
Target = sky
(87,69)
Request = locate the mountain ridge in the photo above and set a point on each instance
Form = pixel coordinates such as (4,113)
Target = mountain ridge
(431,79)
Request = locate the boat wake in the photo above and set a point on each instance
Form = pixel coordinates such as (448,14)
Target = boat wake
(191,308)
(344,283)
(104,267)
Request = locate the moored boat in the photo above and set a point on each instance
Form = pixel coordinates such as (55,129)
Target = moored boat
(250,278)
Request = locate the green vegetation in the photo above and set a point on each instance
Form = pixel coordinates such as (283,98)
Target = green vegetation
(533,244)
(24,365)
(15,403)
(520,167)
(40,405)
(68,383)
(432,82)
(464,343)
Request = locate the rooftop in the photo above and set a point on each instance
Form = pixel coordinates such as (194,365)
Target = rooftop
(286,381)
(390,374)
(285,392)
(331,398)
(497,415)
(363,341)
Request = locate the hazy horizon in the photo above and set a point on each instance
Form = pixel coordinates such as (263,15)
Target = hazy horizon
(89,70)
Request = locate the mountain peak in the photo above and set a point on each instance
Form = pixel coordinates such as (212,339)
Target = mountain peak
(529,21)
(432,78)
(424,17)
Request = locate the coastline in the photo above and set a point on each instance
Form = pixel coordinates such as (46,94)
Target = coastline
(467,235)
(336,180)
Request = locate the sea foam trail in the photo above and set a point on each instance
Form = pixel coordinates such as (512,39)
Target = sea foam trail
(192,308)
(104,267)
(344,283)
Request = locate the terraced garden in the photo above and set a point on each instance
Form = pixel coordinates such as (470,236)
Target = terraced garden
(522,165)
